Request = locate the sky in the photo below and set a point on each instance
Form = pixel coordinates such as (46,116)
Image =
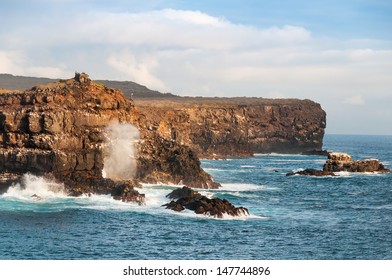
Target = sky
(337,53)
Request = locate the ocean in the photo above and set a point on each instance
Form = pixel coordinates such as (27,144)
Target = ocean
(297,217)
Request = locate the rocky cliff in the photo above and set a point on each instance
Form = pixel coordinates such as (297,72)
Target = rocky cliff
(58,130)
(219,127)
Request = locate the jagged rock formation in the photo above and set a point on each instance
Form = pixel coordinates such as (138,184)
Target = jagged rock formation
(342,162)
(311,172)
(165,161)
(57,130)
(338,162)
(186,198)
(219,127)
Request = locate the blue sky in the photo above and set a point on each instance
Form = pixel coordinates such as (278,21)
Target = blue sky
(338,53)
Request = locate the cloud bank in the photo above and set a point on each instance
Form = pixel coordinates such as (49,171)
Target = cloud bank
(193,53)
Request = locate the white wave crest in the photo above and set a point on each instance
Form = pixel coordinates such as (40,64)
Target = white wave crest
(35,188)
(242,187)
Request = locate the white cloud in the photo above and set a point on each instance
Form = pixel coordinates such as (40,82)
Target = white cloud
(193,53)
(16,63)
(137,69)
(7,62)
(194,17)
(354,100)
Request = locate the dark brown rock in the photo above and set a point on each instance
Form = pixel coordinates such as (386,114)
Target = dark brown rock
(58,130)
(186,198)
(311,172)
(165,161)
(220,127)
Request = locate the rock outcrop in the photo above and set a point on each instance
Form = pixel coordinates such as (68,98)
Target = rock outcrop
(164,161)
(338,162)
(342,162)
(311,172)
(219,127)
(186,198)
(58,130)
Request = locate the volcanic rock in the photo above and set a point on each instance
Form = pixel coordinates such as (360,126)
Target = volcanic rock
(186,198)
(164,161)
(311,172)
(58,131)
(221,127)
(342,162)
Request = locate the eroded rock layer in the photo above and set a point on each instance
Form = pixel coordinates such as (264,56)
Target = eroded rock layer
(219,127)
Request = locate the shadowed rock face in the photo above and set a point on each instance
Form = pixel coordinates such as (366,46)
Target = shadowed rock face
(165,161)
(219,127)
(186,198)
(58,130)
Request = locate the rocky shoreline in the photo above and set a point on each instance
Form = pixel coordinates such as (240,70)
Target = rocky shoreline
(60,131)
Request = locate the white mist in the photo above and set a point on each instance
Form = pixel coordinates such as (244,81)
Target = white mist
(120,158)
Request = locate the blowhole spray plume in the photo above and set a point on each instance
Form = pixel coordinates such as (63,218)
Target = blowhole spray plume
(120,162)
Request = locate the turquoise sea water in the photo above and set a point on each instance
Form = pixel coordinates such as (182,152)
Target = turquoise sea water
(344,217)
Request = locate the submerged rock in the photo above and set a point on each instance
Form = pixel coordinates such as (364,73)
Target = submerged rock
(186,198)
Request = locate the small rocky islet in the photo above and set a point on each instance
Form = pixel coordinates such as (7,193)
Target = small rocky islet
(342,162)
(186,198)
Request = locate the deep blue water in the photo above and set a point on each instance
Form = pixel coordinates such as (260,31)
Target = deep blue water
(344,217)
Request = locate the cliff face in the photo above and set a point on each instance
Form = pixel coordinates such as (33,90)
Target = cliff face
(58,130)
(238,126)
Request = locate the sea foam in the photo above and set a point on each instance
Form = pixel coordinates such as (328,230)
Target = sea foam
(35,188)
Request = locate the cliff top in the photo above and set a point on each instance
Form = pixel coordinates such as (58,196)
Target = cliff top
(144,96)
(181,102)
